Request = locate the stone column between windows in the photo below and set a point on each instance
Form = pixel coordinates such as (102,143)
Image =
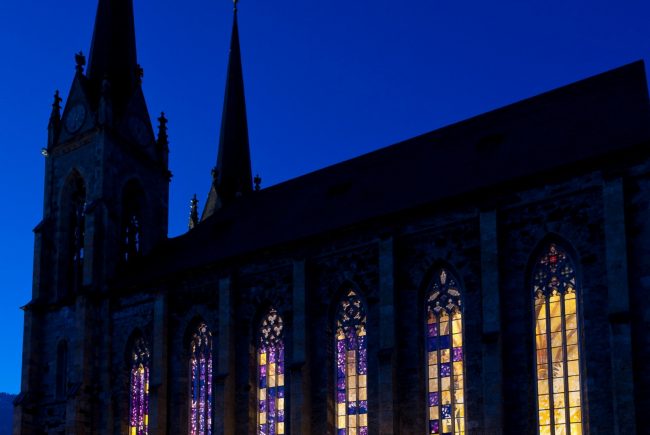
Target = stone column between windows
(619,307)
(492,370)
(80,362)
(299,412)
(386,336)
(159,378)
(224,388)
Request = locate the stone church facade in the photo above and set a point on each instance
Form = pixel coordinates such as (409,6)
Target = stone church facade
(488,277)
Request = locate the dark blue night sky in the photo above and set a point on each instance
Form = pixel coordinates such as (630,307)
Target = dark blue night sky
(325,81)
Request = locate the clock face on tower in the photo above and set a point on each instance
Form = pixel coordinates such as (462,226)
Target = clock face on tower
(75,118)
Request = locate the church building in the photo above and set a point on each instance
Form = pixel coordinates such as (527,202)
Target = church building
(489,277)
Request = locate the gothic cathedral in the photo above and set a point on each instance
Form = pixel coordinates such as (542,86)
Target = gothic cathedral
(489,277)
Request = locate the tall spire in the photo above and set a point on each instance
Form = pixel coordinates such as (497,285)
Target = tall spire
(232,177)
(112,52)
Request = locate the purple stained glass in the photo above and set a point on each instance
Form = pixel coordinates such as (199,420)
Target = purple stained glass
(201,382)
(351,345)
(432,344)
(443,304)
(139,389)
(271,369)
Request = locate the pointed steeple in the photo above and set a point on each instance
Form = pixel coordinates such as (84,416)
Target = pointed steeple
(112,52)
(232,177)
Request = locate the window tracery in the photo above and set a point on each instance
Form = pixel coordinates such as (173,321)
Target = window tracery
(557,344)
(201,381)
(445,356)
(271,371)
(139,389)
(351,367)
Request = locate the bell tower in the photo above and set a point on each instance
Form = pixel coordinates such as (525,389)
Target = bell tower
(105,205)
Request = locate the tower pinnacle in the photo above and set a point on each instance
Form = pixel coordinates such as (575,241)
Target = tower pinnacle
(232,176)
(112,53)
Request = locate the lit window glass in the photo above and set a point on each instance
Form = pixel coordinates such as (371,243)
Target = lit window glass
(139,389)
(445,356)
(271,370)
(557,355)
(201,382)
(351,367)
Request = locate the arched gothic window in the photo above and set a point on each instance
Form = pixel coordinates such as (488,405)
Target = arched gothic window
(351,367)
(132,221)
(445,356)
(61,369)
(201,382)
(557,343)
(73,208)
(139,388)
(270,363)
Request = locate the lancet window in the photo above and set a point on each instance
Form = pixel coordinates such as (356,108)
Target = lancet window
(201,381)
(445,356)
(132,221)
(74,216)
(557,344)
(351,367)
(139,389)
(271,370)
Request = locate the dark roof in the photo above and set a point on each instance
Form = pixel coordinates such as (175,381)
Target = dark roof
(549,133)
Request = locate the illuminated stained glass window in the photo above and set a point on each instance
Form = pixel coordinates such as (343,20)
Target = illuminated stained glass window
(351,367)
(201,382)
(270,363)
(139,389)
(445,371)
(557,344)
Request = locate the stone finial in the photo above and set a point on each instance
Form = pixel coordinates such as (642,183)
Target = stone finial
(139,74)
(54,125)
(80,60)
(257,181)
(194,213)
(56,107)
(163,139)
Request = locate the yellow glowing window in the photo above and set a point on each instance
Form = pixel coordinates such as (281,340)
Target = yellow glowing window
(557,355)
(270,371)
(445,358)
(351,367)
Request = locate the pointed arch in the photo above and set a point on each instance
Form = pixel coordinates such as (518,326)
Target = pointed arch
(557,343)
(133,206)
(200,379)
(445,353)
(61,369)
(140,367)
(73,230)
(271,392)
(351,353)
